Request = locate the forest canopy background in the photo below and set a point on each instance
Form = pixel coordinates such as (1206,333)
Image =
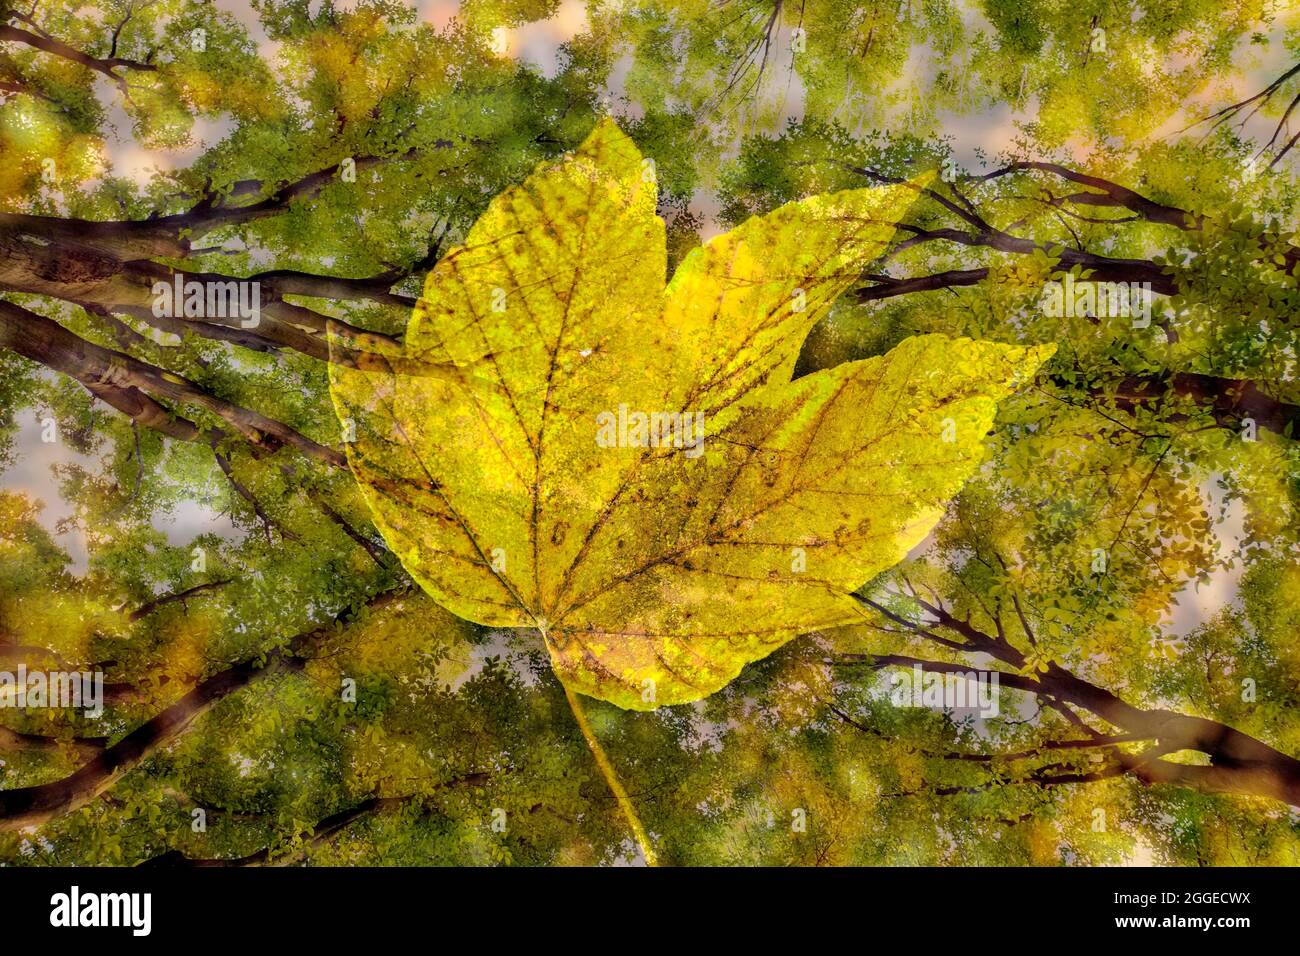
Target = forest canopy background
(1126,558)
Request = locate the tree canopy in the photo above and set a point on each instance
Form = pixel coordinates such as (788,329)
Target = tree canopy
(177,509)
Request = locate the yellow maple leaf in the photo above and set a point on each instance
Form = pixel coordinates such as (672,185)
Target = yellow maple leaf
(567,444)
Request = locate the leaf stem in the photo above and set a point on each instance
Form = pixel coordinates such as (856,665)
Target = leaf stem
(611,778)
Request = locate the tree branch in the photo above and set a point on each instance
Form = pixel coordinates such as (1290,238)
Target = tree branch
(29,806)
(103,65)
(131,385)
(1241,764)
(144,610)
(322,833)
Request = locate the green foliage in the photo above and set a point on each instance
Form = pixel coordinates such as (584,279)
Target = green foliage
(459,746)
